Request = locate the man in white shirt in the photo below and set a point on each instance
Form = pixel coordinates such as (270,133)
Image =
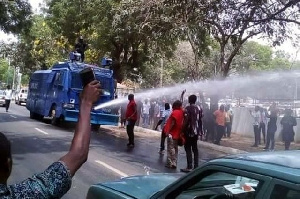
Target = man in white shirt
(8,96)
(146,109)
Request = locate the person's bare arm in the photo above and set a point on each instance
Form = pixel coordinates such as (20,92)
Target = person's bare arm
(79,149)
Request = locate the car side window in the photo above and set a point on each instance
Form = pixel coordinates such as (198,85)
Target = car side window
(222,184)
(283,192)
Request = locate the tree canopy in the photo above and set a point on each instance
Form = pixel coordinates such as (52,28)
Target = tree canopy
(15,16)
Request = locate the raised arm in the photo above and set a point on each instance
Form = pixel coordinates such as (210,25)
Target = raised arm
(79,149)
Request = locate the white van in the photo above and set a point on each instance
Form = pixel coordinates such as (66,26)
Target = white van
(21,96)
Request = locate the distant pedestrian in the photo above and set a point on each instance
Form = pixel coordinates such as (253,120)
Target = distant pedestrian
(131,117)
(271,130)
(208,123)
(256,116)
(173,130)
(8,96)
(151,113)
(123,114)
(139,105)
(288,122)
(262,125)
(165,115)
(146,109)
(220,122)
(192,129)
(228,121)
(156,113)
(274,111)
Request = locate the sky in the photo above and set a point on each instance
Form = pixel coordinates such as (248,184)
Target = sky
(287,46)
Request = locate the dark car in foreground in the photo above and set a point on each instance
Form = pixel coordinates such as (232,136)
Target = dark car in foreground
(265,175)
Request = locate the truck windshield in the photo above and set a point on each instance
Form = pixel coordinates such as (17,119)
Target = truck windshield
(105,83)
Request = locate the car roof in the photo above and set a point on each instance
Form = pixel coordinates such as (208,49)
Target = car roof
(279,164)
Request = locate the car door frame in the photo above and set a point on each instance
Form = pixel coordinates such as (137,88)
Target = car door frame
(176,188)
(276,181)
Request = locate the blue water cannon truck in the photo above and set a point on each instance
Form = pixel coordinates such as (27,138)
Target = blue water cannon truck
(54,93)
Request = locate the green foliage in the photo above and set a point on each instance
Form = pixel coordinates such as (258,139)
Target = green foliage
(15,16)
(6,72)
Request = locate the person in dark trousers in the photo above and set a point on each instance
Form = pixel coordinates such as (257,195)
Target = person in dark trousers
(271,130)
(256,116)
(80,47)
(262,125)
(288,122)
(131,117)
(208,121)
(162,122)
(8,96)
(56,180)
(220,122)
(192,129)
(228,120)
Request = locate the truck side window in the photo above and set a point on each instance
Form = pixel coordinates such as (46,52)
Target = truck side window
(59,79)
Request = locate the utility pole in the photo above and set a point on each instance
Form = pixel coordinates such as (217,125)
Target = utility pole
(161,71)
(7,71)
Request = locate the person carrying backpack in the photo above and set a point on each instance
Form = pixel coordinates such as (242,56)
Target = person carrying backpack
(192,129)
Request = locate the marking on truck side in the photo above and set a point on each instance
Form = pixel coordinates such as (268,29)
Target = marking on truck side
(112,168)
(39,130)
(12,116)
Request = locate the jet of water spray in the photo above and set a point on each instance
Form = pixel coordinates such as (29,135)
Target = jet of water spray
(266,84)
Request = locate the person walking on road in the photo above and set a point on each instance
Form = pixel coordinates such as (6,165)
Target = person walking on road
(131,117)
(220,121)
(8,96)
(56,180)
(288,122)
(192,129)
(172,130)
(165,115)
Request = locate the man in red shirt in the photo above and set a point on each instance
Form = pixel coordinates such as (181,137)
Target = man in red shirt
(131,117)
(173,129)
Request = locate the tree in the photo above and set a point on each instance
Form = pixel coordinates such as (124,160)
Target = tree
(233,22)
(124,30)
(15,16)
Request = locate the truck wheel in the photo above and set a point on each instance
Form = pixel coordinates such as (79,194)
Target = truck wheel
(32,115)
(95,127)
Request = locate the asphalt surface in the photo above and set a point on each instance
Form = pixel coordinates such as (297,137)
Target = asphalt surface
(37,144)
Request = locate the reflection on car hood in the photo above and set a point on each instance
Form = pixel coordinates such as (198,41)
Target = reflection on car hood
(141,187)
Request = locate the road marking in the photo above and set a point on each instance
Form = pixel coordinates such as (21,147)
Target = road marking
(41,131)
(12,116)
(112,168)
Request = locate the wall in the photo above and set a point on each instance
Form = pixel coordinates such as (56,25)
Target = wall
(243,124)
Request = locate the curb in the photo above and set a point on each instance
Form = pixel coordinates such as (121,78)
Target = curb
(223,149)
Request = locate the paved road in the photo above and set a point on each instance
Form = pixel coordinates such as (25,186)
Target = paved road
(36,144)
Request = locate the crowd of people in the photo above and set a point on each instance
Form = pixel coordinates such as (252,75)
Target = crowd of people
(215,125)
(266,121)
